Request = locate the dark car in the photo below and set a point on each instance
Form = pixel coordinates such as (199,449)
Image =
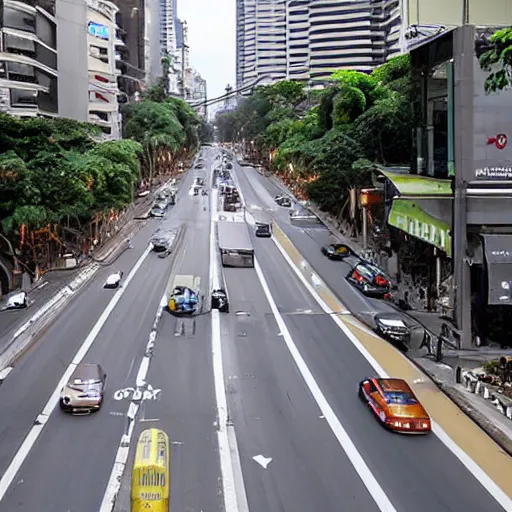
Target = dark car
(370,280)
(283,201)
(337,251)
(263,230)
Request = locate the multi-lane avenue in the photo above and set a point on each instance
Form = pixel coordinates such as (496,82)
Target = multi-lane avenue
(298,437)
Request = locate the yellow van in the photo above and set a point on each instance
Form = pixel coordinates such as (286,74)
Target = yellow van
(151,472)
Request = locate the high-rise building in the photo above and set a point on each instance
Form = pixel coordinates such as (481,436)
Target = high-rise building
(168,41)
(103,106)
(183,61)
(198,94)
(28,58)
(309,39)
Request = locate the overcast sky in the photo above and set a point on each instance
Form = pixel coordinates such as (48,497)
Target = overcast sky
(212,40)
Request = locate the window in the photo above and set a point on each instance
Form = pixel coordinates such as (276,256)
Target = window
(47,101)
(400,398)
(19,72)
(19,45)
(46,31)
(46,56)
(19,20)
(22,98)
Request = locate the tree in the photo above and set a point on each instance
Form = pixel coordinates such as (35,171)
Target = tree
(207,132)
(156,127)
(359,117)
(497,59)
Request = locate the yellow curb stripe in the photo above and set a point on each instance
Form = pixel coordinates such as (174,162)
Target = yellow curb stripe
(469,437)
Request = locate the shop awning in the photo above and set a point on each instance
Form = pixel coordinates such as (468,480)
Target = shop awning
(417,186)
(408,216)
(498,254)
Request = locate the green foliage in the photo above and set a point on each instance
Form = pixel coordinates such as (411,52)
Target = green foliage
(498,61)
(50,169)
(357,120)
(206,132)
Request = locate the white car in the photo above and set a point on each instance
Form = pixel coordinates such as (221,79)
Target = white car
(113,280)
(18,301)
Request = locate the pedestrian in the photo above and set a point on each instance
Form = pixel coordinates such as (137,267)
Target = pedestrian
(129,242)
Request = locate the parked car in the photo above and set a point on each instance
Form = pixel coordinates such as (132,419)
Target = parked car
(16,301)
(370,280)
(283,201)
(337,251)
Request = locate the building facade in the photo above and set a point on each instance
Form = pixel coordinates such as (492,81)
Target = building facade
(103,107)
(309,39)
(198,94)
(28,59)
(182,61)
(168,42)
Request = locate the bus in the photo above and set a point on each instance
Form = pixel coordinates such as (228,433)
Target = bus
(151,473)
(235,244)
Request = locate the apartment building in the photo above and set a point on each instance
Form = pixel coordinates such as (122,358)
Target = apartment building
(308,39)
(168,41)
(28,59)
(103,91)
(198,94)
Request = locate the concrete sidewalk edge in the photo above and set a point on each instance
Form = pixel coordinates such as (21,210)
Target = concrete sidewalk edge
(455,393)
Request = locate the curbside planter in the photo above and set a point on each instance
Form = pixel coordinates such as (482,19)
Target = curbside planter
(469,380)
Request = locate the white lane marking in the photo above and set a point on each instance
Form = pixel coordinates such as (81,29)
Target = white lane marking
(5,372)
(116,475)
(235,498)
(485,480)
(262,460)
(41,420)
(357,461)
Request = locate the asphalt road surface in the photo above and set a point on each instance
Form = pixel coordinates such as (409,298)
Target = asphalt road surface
(290,457)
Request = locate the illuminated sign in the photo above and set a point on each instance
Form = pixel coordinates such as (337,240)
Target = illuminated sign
(97,30)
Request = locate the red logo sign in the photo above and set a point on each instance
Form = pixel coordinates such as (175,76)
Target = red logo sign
(500,141)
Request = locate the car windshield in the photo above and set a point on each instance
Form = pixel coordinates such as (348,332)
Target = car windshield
(400,398)
(85,386)
(365,272)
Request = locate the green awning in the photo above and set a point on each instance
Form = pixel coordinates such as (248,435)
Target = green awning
(414,185)
(407,216)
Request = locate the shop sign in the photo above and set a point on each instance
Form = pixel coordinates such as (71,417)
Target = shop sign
(414,221)
(494,173)
(97,30)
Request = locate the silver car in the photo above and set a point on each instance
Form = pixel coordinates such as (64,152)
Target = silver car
(83,393)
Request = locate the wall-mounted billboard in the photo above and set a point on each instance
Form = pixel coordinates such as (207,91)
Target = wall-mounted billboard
(97,30)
